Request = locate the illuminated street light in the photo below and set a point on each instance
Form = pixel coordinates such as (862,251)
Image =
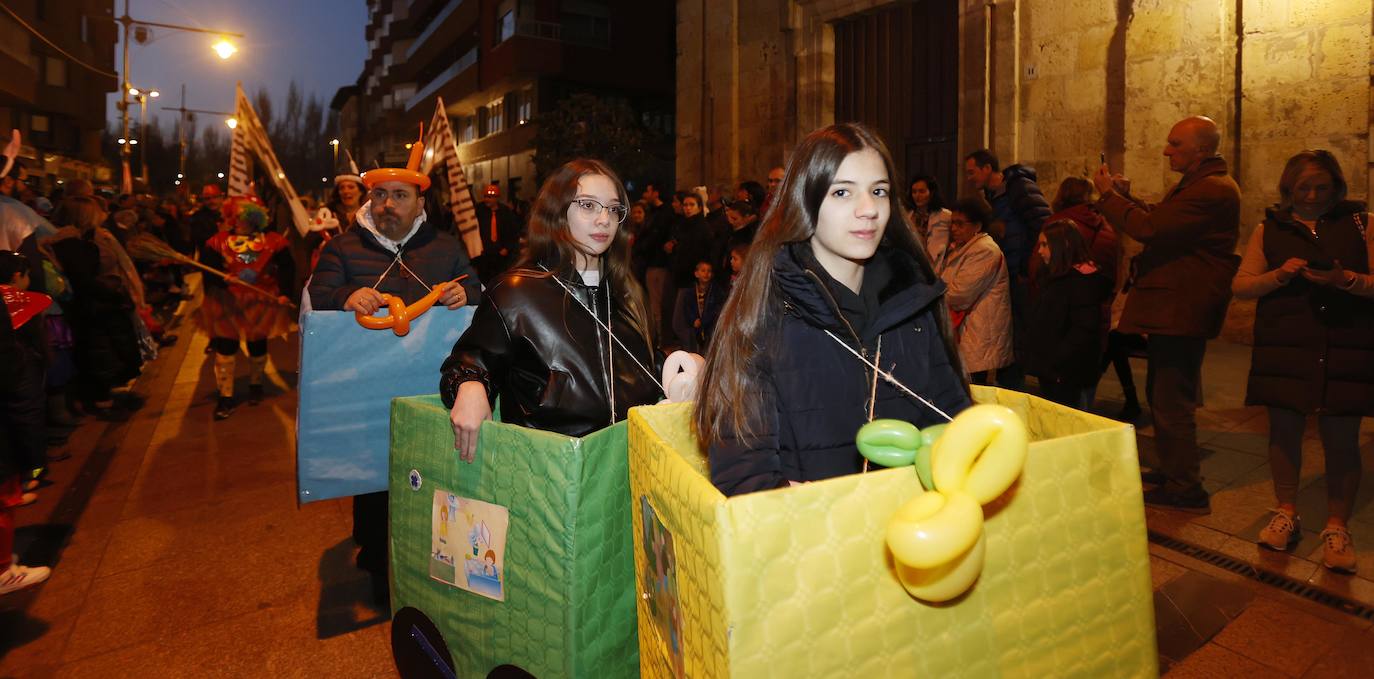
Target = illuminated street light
(133,142)
(121,141)
(231,122)
(155,94)
(224,49)
(221,175)
(180,176)
(133,91)
(281,175)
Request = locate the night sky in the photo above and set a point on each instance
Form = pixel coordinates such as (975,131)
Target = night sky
(318,43)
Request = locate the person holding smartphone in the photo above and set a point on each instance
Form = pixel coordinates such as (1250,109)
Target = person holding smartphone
(1308,264)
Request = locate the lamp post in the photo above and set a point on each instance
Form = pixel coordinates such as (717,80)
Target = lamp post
(143,95)
(224,48)
(182,113)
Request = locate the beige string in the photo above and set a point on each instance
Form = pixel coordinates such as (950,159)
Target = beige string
(873,388)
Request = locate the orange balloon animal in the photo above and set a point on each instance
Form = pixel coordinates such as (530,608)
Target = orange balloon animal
(400,315)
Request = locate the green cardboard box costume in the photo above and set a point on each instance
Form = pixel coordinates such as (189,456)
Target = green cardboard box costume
(792,582)
(566,576)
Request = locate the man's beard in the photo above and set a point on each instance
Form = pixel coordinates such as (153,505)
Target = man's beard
(389,223)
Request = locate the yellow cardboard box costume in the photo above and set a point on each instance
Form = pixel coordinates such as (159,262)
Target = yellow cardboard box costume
(799,581)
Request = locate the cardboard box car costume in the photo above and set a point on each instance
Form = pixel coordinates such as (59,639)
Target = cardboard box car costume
(565,606)
(799,581)
(792,582)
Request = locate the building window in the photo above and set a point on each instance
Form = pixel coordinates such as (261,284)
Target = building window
(524,106)
(56,72)
(467,129)
(40,123)
(85,29)
(496,116)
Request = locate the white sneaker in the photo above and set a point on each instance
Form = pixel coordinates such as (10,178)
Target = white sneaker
(18,577)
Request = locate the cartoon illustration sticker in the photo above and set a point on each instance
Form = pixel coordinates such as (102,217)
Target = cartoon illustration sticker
(659,585)
(468,544)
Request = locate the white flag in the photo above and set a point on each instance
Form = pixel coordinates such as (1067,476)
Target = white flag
(250,143)
(442,149)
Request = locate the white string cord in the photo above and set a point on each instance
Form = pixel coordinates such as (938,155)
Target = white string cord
(888,377)
(605,327)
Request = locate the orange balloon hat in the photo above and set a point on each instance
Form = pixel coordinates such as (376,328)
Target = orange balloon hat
(409,174)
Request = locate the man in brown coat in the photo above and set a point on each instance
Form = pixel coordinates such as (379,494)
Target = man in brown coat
(1180,286)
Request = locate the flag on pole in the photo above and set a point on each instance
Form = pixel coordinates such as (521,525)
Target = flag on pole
(442,149)
(250,143)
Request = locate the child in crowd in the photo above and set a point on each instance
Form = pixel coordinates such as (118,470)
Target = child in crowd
(17,394)
(697,309)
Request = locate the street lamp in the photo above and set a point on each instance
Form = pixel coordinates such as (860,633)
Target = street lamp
(224,48)
(335,144)
(143,95)
(232,122)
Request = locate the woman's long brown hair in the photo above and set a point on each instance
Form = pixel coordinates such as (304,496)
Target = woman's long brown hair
(550,243)
(727,401)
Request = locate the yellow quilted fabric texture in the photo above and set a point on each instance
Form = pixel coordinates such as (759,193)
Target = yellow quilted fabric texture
(798,582)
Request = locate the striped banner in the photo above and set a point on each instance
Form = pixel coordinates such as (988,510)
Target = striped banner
(250,142)
(442,149)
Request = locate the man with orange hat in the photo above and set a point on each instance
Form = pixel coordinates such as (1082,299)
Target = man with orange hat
(392,249)
(500,229)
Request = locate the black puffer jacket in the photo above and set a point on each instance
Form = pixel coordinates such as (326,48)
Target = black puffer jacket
(535,345)
(355,260)
(814,393)
(1022,209)
(1066,329)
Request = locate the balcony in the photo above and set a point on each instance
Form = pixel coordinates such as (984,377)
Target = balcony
(453,26)
(464,63)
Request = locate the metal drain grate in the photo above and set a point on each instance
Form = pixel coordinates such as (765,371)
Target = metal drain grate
(1283,582)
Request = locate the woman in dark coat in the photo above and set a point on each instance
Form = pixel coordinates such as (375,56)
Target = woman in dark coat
(106,351)
(834,283)
(1308,263)
(562,337)
(1066,327)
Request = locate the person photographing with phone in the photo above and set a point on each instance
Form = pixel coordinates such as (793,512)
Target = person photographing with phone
(1180,288)
(1308,265)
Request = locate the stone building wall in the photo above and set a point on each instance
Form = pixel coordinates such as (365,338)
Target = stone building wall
(1069,79)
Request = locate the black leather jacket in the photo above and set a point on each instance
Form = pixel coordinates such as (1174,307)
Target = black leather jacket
(541,351)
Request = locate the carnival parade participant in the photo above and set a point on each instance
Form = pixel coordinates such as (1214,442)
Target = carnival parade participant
(252,311)
(563,336)
(1308,263)
(393,250)
(339,215)
(835,285)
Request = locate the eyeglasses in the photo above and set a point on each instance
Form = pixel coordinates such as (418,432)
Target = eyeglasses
(592,209)
(379,196)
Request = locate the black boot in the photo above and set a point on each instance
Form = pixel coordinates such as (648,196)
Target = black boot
(224,408)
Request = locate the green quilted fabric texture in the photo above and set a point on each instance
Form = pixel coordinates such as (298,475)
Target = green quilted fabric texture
(569,578)
(799,582)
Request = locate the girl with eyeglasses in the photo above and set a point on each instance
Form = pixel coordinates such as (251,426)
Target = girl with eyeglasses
(563,336)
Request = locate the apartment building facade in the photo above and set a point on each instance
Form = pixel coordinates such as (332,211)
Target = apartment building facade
(55,95)
(497,64)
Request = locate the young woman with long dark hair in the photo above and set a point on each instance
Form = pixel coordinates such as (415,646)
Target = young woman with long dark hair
(834,285)
(563,336)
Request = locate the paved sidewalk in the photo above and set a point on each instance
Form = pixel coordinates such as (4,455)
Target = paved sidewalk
(1212,622)
(178,549)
